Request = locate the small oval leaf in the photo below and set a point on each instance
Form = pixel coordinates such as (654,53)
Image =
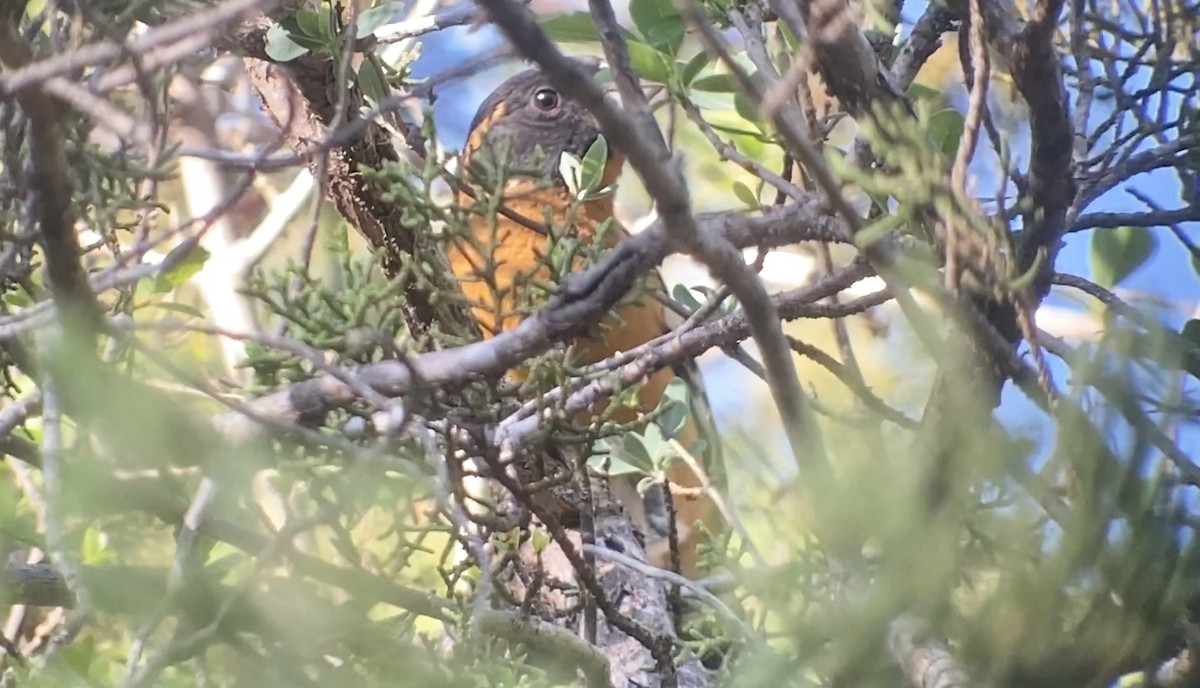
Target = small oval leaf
(946,128)
(1115,253)
(591,168)
(649,63)
(659,23)
(746,196)
(372,80)
(694,66)
(281,47)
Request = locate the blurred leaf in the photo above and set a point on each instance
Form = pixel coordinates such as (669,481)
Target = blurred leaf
(372,80)
(745,108)
(1115,253)
(716,83)
(574,27)
(95,548)
(693,67)
(920,92)
(539,538)
(711,102)
(17,521)
(176,307)
(370,20)
(749,143)
(946,128)
(192,263)
(659,23)
(649,63)
(17,298)
(80,654)
(746,196)
(675,407)
(654,443)
(1191,334)
(684,297)
(281,46)
(626,456)
(311,24)
(591,168)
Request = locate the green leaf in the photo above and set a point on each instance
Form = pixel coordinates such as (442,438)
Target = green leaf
(683,296)
(1115,253)
(591,168)
(372,19)
(745,108)
(649,63)
(573,27)
(654,444)
(626,456)
(746,196)
(281,47)
(539,538)
(659,23)
(715,83)
(633,451)
(311,25)
(749,144)
(182,271)
(95,548)
(946,128)
(80,654)
(675,406)
(1191,334)
(18,298)
(372,80)
(919,92)
(176,307)
(325,16)
(678,391)
(693,67)
(568,170)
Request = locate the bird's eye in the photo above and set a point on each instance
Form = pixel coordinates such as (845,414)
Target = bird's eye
(546,100)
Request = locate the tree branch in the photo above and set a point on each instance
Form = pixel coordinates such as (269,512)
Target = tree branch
(584,298)
(637,136)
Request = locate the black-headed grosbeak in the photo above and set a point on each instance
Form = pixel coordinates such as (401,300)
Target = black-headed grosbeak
(528,125)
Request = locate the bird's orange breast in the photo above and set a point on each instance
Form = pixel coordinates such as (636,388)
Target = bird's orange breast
(503,269)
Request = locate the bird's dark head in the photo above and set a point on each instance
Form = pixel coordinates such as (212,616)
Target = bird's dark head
(536,123)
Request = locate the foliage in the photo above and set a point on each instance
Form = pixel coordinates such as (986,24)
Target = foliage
(236,473)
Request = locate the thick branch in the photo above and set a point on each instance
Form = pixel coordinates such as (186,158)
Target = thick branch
(51,185)
(1037,72)
(585,297)
(926,663)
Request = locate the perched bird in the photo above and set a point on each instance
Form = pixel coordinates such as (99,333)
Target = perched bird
(528,124)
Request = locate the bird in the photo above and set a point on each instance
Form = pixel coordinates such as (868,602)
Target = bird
(527,125)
